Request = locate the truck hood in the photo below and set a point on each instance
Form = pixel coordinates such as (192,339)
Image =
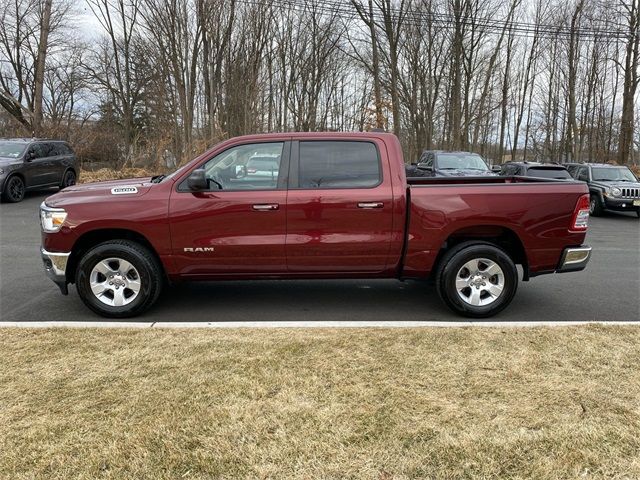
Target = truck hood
(6,161)
(600,183)
(112,189)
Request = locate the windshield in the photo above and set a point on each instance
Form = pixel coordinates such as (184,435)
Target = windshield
(11,149)
(613,174)
(542,172)
(461,161)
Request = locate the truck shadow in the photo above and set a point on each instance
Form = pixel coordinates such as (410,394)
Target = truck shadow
(301,300)
(351,301)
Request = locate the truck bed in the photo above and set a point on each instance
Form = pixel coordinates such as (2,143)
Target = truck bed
(532,214)
(479,180)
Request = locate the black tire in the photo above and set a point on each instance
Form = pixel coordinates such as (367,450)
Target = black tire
(68,179)
(148,268)
(454,260)
(595,206)
(14,189)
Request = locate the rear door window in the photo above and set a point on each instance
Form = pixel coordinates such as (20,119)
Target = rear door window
(338,164)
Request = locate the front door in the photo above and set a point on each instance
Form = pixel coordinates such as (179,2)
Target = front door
(339,208)
(39,166)
(238,226)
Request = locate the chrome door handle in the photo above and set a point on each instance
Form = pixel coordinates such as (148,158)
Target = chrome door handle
(370,205)
(264,207)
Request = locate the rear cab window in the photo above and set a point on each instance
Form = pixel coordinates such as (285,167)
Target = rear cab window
(338,164)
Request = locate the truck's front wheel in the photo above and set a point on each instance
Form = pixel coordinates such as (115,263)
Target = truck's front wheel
(477,279)
(119,279)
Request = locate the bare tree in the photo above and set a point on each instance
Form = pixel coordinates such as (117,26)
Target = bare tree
(631,12)
(114,66)
(25,40)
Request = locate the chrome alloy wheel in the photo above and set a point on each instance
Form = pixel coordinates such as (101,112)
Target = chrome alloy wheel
(115,282)
(480,282)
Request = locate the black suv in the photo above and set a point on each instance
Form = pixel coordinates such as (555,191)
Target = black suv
(534,169)
(438,163)
(611,187)
(30,164)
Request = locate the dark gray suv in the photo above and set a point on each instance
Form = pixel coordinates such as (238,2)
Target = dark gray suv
(611,187)
(30,164)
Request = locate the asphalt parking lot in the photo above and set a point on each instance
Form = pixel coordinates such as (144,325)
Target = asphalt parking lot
(609,290)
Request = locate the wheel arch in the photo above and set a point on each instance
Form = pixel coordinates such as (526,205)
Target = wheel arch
(92,238)
(69,168)
(14,174)
(498,235)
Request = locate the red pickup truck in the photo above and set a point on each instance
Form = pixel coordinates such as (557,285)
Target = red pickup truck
(311,205)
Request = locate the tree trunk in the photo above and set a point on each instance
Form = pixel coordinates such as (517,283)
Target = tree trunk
(631,80)
(40,64)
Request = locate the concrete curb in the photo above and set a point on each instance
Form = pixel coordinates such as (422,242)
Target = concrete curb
(301,324)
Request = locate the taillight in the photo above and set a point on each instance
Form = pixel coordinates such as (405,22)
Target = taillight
(580,220)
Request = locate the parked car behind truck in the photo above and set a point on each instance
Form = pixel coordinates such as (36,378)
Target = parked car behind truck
(534,169)
(341,207)
(31,164)
(440,163)
(611,187)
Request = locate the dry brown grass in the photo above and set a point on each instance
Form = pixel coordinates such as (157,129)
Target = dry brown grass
(349,403)
(87,176)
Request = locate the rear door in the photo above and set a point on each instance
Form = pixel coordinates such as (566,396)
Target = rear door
(60,159)
(239,229)
(339,207)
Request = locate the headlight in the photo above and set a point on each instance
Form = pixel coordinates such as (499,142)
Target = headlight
(1,171)
(51,219)
(616,192)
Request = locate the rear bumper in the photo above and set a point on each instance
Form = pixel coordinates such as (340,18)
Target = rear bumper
(574,259)
(55,266)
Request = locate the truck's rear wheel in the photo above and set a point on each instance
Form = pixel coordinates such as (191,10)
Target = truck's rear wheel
(477,279)
(119,279)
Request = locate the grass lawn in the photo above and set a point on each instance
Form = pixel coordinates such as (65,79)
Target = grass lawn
(327,403)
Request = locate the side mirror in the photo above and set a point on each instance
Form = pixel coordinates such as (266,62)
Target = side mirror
(29,156)
(496,168)
(198,180)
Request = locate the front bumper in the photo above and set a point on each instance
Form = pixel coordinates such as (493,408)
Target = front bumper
(55,266)
(621,204)
(574,259)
